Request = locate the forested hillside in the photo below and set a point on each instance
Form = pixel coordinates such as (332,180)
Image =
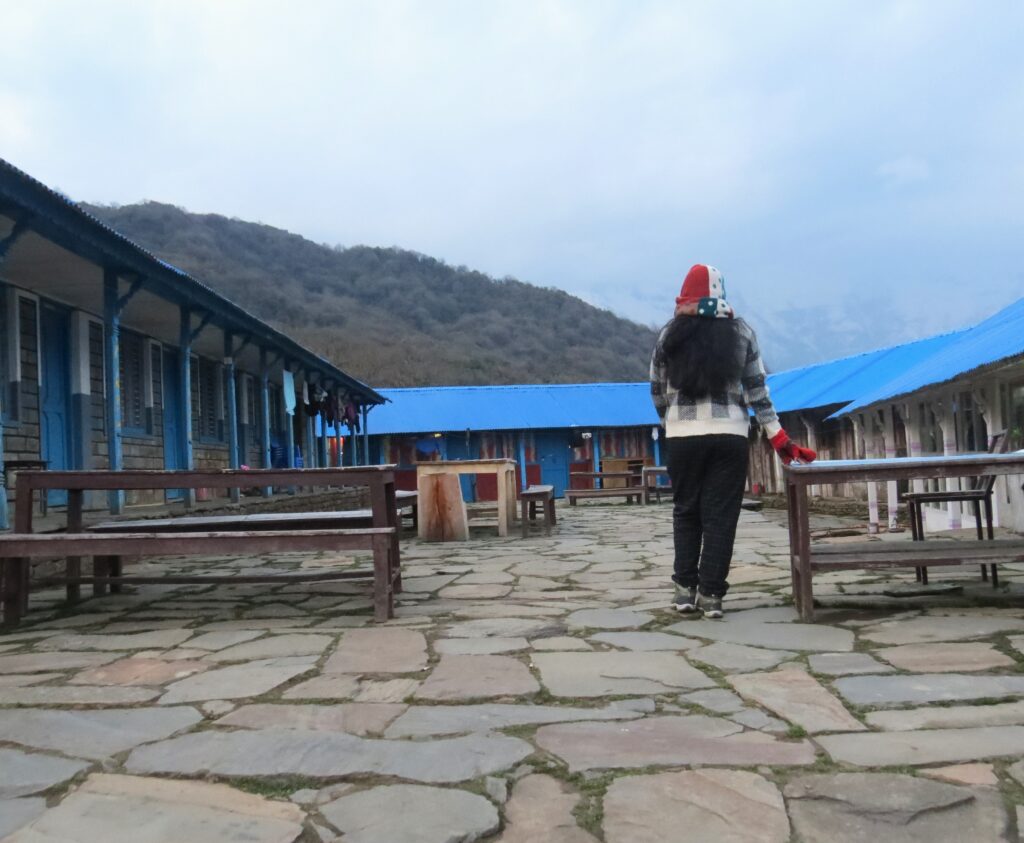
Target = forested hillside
(389,316)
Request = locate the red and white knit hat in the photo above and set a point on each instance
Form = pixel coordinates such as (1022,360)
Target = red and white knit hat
(703,294)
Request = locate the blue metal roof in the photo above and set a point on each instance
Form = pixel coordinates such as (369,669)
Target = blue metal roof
(997,339)
(442,409)
(848,378)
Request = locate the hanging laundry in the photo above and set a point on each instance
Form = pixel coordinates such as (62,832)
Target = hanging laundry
(288,382)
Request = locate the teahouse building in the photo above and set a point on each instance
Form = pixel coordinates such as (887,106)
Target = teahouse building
(113,358)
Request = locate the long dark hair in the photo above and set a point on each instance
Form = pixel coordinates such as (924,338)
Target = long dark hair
(702,355)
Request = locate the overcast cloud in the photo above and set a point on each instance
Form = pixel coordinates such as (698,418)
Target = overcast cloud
(851,155)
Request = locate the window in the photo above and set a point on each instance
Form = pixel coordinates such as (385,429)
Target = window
(133,384)
(208,400)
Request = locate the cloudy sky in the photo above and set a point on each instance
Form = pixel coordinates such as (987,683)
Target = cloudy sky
(861,158)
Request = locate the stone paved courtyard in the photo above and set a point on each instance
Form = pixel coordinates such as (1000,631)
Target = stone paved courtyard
(535,690)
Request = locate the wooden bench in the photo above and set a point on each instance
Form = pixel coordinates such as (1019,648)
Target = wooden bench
(543,495)
(630,493)
(108,547)
(649,477)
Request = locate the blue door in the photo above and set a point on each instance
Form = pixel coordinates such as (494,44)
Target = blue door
(55,393)
(173,445)
(553,456)
(457,448)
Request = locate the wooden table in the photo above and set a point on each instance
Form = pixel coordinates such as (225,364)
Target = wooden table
(803,562)
(650,476)
(504,471)
(632,478)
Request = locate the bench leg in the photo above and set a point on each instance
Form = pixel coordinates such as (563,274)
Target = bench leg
(100,568)
(10,590)
(549,515)
(995,575)
(988,517)
(383,573)
(116,570)
(524,520)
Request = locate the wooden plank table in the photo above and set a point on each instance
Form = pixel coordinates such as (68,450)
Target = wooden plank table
(805,560)
(503,470)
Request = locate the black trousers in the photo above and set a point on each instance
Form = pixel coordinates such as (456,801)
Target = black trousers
(709,474)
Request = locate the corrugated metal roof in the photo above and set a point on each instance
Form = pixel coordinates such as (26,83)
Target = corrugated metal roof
(998,339)
(522,407)
(846,379)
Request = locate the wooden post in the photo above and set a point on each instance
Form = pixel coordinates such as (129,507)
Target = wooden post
(864,438)
(265,416)
(992,411)
(892,495)
(289,427)
(595,438)
(185,369)
(945,417)
(339,440)
(112,366)
(522,459)
(656,436)
(912,424)
(231,411)
(366,435)
(812,443)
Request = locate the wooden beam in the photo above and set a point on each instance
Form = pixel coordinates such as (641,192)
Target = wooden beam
(232,409)
(112,371)
(185,337)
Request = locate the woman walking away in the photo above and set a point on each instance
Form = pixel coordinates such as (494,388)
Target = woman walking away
(706,370)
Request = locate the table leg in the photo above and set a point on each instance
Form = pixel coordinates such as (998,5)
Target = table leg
(803,517)
(10,590)
(503,503)
(421,523)
(383,597)
(391,502)
(523,518)
(73,591)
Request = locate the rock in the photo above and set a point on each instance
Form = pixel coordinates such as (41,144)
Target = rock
(1017,772)
(667,741)
(238,681)
(738,658)
(948,717)
(600,674)
(541,809)
(929,628)
(144,810)
(973,775)
(384,650)
(412,814)
(497,789)
(354,718)
(859,807)
(926,687)
(75,695)
(15,813)
(645,641)
(933,746)
(22,774)
(472,677)
(846,664)
(714,699)
(93,734)
(388,691)
(136,671)
(945,658)
(797,696)
(278,752)
(772,629)
(425,720)
(727,806)
(608,619)
(274,647)
(156,639)
(478,646)
(324,688)
(39,662)
(559,643)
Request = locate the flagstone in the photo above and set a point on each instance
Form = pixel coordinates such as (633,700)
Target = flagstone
(23,774)
(738,657)
(926,687)
(40,662)
(128,641)
(559,643)
(75,695)
(600,674)
(470,677)
(411,814)
(973,775)
(645,641)
(505,627)
(223,639)
(928,628)
(93,734)
(932,746)
(354,718)
(138,671)
(496,610)
(858,807)
(129,809)
(846,664)
(948,717)
(425,720)
(667,741)
(276,752)
(15,813)
(478,646)
(274,646)
(541,809)
(608,619)
(718,700)
(19,680)
(754,718)
(237,681)
(945,657)
(386,691)
(726,806)
(383,650)
(791,692)
(474,592)
(776,635)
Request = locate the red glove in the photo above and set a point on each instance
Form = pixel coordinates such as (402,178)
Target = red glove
(788,450)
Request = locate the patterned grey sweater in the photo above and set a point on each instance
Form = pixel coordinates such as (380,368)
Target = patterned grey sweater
(724,412)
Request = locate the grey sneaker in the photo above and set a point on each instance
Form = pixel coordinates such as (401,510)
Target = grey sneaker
(685,600)
(710,606)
